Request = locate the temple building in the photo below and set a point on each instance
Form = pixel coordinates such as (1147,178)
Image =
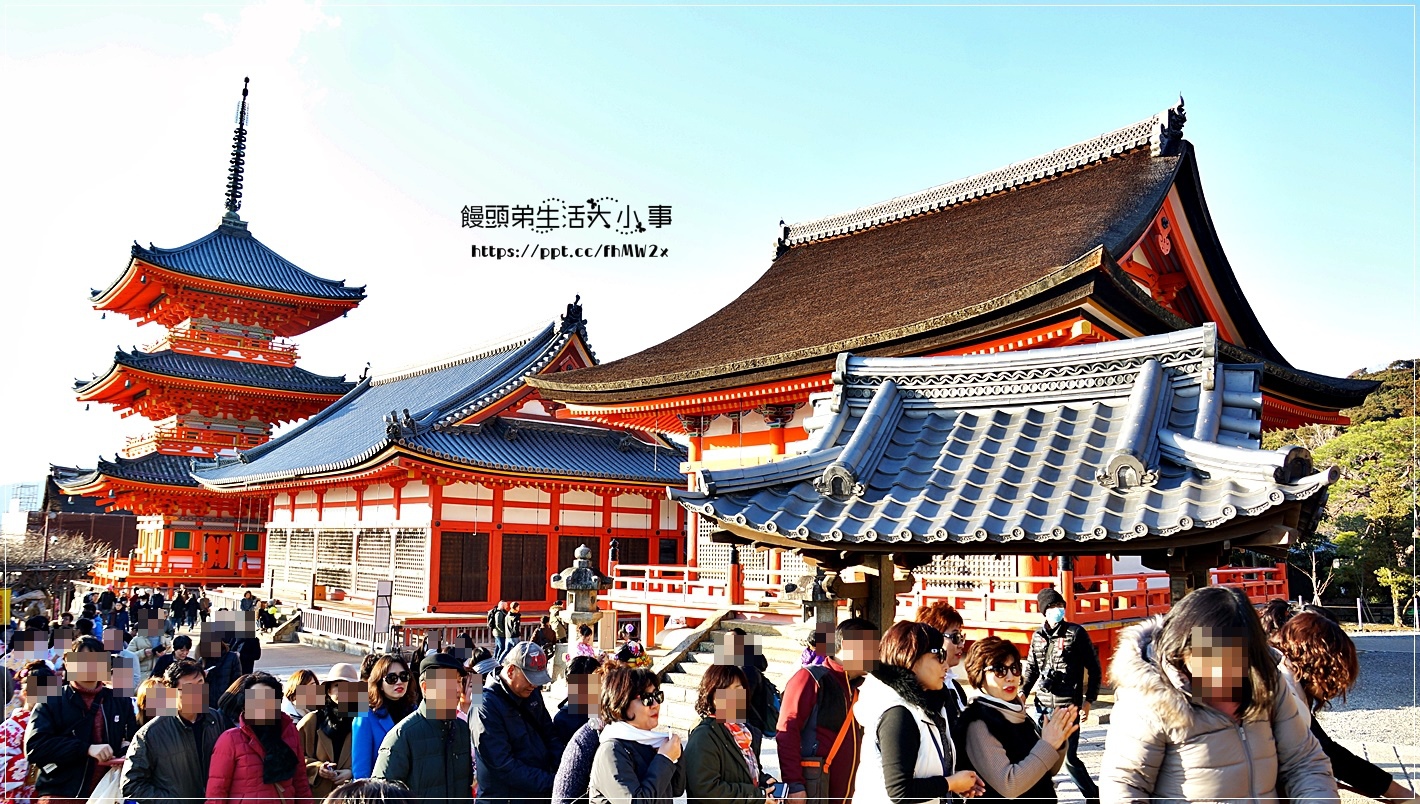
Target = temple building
(217,381)
(1097,243)
(456,481)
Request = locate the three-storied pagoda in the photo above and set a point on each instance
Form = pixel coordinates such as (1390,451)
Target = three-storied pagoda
(218,380)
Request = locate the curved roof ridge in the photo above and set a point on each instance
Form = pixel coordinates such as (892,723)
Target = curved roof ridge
(487,350)
(212,257)
(1149,131)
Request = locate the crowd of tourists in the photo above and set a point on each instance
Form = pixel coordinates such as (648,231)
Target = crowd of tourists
(1212,703)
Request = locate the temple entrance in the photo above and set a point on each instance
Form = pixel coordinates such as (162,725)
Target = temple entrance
(216,551)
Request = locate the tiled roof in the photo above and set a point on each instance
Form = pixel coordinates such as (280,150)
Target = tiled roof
(426,406)
(233,372)
(554,448)
(230,254)
(156,468)
(895,281)
(1115,442)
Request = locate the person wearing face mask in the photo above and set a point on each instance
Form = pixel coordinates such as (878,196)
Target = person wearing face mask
(1000,741)
(1063,662)
(392,696)
(1201,712)
(325,731)
(722,753)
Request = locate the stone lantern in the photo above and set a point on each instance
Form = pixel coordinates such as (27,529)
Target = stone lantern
(582,583)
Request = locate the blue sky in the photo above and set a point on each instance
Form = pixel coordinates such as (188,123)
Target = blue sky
(372,127)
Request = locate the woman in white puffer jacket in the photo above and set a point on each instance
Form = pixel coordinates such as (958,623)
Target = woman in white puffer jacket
(907,753)
(1201,713)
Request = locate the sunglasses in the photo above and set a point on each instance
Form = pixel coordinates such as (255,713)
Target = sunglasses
(397,678)
(652,698)
(1004,670)
(955,637)
(940,653)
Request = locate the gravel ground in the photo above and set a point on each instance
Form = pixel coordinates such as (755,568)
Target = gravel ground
(1383,706)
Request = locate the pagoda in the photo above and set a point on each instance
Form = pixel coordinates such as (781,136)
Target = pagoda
(217,382)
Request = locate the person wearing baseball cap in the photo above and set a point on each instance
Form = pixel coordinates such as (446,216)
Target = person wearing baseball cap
(517,753)
(429,751)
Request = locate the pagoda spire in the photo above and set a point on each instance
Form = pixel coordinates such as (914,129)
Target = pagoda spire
(238,163)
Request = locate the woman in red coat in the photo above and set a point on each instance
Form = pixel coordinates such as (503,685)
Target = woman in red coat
(259,761)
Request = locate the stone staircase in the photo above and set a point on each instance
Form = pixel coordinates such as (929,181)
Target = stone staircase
(779,642)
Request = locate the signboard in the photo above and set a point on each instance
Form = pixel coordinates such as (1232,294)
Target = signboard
(384,591)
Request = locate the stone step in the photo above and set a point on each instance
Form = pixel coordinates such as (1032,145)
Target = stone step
(774,651)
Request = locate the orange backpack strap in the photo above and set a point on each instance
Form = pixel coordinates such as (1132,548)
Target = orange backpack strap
(842,733)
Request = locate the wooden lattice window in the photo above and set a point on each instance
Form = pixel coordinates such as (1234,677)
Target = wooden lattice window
(411,562)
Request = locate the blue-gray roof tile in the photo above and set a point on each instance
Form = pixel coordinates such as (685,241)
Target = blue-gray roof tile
(1117,441)
(234,372)
(232,255)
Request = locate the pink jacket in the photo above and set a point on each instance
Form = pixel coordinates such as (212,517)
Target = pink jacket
(235,775)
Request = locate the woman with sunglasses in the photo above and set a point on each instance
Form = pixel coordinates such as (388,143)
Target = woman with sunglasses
(943,617)
(634,762)
(908,754)
(1001,742)
(393,695)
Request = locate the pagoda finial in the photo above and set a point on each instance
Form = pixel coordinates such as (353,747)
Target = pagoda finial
(239,154)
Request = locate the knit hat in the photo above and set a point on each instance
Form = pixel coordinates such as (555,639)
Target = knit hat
(1048,598)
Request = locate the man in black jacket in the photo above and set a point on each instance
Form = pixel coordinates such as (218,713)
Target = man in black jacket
(171,755)
(1064,662)
(74,737)
(516,751)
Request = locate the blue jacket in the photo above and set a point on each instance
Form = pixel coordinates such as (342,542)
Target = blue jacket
(366,735)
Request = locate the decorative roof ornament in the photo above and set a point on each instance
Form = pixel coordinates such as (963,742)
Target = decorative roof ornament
(1170,137)
(572,320)
(238,163)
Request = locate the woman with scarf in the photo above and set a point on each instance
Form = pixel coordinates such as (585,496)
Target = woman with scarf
(634,763)
(908,754)
(393,695)
(259,761)
(1002,744)
(722,754)
(325,732)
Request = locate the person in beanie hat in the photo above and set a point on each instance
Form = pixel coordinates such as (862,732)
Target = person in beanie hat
(1065,665)
(429,751)
(517,753)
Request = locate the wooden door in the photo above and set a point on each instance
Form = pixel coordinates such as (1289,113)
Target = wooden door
(463,567)
(524,574)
